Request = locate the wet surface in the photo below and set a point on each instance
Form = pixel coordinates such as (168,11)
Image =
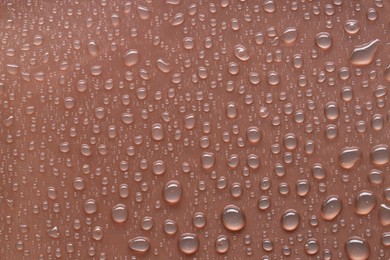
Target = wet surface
(194,129)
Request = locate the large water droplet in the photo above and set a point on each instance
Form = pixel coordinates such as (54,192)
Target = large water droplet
(172,192)
(241,52)
(349,157)
(331,207)
(131,57)
(139,244)
(357,248)
(188,243)
(380,154)
(323,40)
(233,218)
(119,213)
(384,215)
(290,220)
(90,206)
(364,54)
(365,202)
(290,35)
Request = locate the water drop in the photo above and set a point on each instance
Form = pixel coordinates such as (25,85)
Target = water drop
(380,154)
(312,246)
(323,40)
(157,132)
(207,160)
(131,57)
(241,52)
(222,244)
(233,218)
(290,220)
(163,66)
(170,227)
(172,192)
(331,207)
(349,157)
(384,215)
(90,206)
(351,26)
(139,244)
(188,243)
(290,35)
(119,213)
(364,54)
(365,202)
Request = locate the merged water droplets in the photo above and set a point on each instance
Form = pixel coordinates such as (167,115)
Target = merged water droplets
(349,157)
(364,54)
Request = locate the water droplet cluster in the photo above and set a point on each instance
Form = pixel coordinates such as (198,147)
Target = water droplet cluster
(172,128)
